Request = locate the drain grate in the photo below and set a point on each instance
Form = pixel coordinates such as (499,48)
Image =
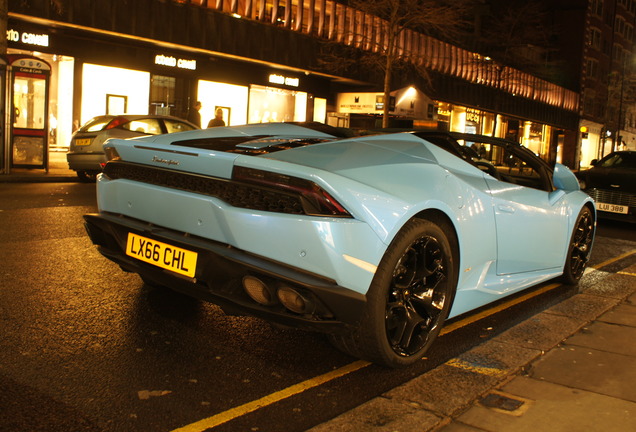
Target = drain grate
(502,402)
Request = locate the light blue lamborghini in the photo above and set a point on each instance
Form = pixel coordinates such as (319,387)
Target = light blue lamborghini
(375,240)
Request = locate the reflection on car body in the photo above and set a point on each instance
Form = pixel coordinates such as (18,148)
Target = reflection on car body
(374,240)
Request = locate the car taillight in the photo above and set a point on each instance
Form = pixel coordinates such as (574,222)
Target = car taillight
(117,121)
(315,200)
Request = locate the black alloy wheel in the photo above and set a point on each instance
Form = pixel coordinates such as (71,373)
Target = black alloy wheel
(416,296)
(580,247)
(409,298)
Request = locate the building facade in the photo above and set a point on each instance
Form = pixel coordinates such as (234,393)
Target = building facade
(258,61)
(608,80)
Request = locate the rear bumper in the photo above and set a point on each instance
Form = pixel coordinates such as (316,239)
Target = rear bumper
(86,161)
(220,271)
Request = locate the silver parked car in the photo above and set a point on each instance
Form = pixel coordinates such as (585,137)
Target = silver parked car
(86,155)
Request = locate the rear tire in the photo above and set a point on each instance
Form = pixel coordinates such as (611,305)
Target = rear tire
(87,176)
(409,298)
(580,247)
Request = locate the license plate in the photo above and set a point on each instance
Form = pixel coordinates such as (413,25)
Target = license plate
(612,208)
(83,141)
(162,255)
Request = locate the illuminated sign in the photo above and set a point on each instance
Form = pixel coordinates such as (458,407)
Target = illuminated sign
(283,80)
(170,61)
(473,116)
(28,38)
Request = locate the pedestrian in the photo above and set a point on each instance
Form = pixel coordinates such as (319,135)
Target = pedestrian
(218,119)
(194,116)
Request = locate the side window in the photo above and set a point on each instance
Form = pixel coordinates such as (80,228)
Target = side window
(519,170)
(146,126)
(176,126)
(507,165)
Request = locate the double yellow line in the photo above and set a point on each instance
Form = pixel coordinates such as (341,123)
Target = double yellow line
(288,392)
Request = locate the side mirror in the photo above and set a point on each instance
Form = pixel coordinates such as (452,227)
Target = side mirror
(564,179)
(594,162)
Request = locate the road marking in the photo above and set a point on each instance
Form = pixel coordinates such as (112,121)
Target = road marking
(472,367)
(272,398)
(612,260)
(288,392)
(496,309)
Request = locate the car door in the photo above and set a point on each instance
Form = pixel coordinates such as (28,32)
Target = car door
(531,217)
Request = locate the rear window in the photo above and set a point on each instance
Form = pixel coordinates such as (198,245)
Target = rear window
(96,124)
(177,126)
(150,126)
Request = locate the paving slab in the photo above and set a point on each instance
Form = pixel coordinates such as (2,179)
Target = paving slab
(584,368)
(542,331)
(551,407)
(584,307)
(444,390)
(608,337)
(624,314)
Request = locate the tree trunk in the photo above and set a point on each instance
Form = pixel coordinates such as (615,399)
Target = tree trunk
(387,93)
(4,17)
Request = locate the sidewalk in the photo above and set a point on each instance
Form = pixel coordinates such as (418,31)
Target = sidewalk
(58,172)
(569,368)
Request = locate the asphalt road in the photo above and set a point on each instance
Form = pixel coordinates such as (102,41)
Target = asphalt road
(86,347)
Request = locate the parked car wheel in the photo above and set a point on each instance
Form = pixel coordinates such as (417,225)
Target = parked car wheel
(580,247)
(409,298)
(87,176)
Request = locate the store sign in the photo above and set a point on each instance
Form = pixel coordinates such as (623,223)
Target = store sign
(30,65)
(359,103)
(28,38)
(473,116)
(283,80)
(171,61)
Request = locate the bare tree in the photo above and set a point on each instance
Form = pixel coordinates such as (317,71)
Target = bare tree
(519,33)
(432,17)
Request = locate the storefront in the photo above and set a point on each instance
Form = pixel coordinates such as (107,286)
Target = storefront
(408,107)
(541,139)
(143,78)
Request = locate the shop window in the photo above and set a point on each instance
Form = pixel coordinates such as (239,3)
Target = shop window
(116,104)
(162,94)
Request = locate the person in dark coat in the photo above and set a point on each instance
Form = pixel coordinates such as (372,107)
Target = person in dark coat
(218,119)
(194,116)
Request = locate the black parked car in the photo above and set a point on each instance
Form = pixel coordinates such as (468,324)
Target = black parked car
(612,183)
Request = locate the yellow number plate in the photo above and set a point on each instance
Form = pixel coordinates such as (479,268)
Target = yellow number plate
(162,255)
(83,141)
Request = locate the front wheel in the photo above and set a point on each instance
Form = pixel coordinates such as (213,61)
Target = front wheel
(409,298)
(580,247)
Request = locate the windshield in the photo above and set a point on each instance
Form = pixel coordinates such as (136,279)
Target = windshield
(619,160)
